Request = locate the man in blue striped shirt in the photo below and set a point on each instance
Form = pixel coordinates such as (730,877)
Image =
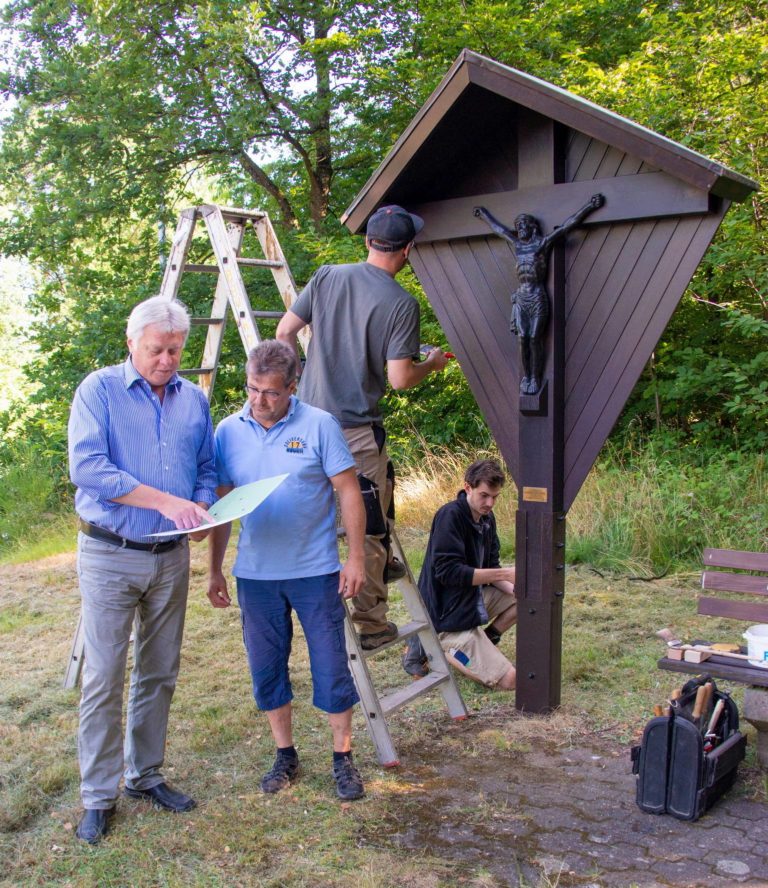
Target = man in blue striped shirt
(141,457)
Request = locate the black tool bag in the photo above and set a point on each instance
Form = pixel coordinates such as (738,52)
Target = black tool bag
(680,769)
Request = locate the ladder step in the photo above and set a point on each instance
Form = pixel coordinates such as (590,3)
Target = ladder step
(236,213)
(204,269)
(259,263)
(397,699)
(195,371)
(268,314)
(200,322)
(404,632)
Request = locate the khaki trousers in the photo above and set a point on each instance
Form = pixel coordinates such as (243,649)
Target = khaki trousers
(369,607)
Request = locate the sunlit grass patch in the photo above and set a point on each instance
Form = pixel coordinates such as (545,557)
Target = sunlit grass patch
(18,617)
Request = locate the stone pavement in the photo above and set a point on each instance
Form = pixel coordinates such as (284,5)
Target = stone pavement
(548,816)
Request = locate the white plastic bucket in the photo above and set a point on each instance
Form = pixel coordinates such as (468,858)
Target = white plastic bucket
(757,644)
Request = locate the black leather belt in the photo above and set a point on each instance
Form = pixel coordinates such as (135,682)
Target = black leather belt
(106,536)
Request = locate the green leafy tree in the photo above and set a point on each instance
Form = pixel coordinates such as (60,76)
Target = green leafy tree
(125,113)
(699,78)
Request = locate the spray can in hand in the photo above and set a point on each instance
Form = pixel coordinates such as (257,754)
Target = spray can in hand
(424,350)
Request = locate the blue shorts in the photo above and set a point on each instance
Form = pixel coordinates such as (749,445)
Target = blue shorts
(265,607)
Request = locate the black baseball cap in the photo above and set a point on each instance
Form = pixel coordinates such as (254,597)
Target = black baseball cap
(391,228)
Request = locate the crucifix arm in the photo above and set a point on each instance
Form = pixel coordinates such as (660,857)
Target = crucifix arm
(496,226)
(594,203)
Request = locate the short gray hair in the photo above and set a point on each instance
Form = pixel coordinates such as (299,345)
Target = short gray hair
(167,314)
(272,356)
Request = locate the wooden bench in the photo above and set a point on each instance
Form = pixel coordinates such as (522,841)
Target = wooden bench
(737,606)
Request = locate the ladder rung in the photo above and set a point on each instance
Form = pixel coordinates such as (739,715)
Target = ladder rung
(205,269)
(392,702)
(195,371)
(259,263)
(403,633)
(268,314)
(210,322)
(235,213)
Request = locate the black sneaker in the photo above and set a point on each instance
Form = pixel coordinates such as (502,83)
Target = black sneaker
(372,640)
(349,783)
(395,570)
(414,659)
(281,773)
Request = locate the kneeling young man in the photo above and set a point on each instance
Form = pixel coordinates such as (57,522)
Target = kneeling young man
(287,554)
(463,584)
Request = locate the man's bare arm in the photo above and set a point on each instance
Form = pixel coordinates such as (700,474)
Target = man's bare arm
(288,331)
(352,577)
(496,575)
(217,546)
(404,373)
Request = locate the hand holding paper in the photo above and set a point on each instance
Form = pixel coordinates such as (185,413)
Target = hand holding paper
(237,503)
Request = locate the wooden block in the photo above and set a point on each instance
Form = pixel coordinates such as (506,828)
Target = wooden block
(675,653)
(694,656)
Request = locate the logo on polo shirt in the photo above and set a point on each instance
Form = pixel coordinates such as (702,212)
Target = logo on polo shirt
(295,445)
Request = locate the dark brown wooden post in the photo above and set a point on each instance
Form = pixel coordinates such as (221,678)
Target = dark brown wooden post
(540,525)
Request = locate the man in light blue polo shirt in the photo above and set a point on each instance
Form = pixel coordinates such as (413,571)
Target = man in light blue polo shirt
(287,554)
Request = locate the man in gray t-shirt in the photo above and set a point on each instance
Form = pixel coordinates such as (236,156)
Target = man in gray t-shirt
(365,333)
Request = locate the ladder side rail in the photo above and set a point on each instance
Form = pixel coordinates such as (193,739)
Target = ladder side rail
(369,700)
(75,663)
(174,266)
(215,335)
(282,274)
(428,636)
(226,257)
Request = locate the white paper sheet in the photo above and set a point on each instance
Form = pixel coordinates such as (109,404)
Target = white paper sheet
(237,503)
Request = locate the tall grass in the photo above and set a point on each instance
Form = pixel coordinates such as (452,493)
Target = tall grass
(642,511)
(654,510)
(35,513)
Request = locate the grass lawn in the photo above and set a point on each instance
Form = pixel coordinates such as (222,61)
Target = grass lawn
(219,745)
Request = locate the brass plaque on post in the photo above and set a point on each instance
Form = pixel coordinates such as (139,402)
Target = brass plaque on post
(535,494)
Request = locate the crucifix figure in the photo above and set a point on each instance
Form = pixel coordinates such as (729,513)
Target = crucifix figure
(530,302)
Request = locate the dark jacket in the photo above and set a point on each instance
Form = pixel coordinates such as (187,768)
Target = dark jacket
(457,545)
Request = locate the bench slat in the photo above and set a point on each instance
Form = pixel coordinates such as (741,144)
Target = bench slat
(720,581)
(753,612)
(734,559)
(747,674)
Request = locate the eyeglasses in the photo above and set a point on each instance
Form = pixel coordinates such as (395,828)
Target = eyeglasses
(269,394)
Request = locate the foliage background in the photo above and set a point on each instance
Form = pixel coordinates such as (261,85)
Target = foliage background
(119,116)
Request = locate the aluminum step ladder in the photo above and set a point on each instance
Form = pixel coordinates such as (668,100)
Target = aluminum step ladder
(440,677)
(226,228)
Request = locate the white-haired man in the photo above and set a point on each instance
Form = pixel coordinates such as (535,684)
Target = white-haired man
(141,457)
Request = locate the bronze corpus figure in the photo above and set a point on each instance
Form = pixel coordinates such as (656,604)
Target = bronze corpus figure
(530,302)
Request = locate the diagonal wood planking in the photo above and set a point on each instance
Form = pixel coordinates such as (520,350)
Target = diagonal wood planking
(623,283)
